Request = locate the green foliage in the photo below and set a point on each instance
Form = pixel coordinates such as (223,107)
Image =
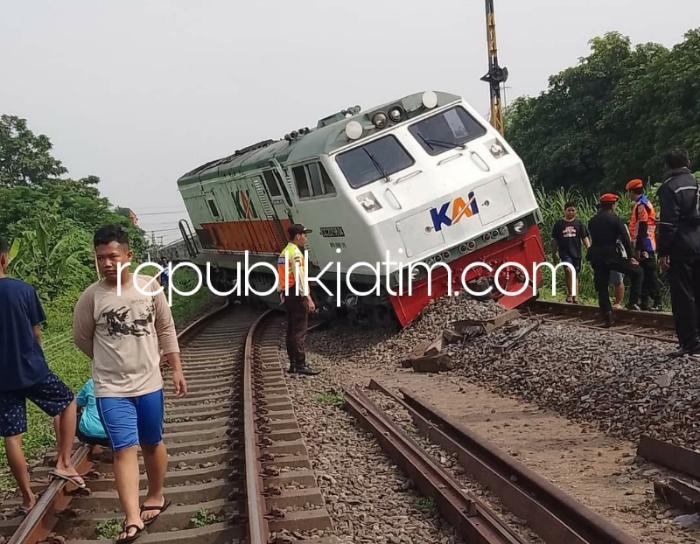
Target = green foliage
(202,518)
(24,158)
(331,398)
(109,529)
(427,506)
(54,257)
(612,117)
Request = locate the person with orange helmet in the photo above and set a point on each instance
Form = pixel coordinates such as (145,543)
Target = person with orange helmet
(643,239)
(606,229)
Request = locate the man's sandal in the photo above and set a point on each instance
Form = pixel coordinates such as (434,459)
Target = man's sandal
(160,510)
(69,478)
(133,537)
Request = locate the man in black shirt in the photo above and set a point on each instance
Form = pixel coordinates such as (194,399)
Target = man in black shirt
(606,228)
(567,235)
(679,248)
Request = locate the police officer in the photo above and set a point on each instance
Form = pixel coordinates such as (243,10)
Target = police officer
(643,238)
(605,229)
(679,247)
(296,298)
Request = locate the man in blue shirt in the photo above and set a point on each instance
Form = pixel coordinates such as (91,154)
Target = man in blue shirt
(26,375)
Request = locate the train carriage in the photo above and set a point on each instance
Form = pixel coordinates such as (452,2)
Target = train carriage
(423,179)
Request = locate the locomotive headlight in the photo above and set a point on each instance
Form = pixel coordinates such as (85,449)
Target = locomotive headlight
(497,149)
(369,202)
(519,227)
(380,120)
(430,99)
(396,114)
(353,130)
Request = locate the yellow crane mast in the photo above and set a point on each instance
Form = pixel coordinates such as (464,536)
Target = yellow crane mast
(496,75)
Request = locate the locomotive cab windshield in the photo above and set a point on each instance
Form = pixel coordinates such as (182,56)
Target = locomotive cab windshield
(446,130)
(374,160)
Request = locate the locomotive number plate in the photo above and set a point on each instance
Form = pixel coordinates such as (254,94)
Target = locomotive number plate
(332,232)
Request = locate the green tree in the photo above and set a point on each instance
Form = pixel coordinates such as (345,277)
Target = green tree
(25,159)
(54,255)
(612,117)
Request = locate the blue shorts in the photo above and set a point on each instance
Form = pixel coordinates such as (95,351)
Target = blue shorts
(130,421)
(576,263)
(51,395)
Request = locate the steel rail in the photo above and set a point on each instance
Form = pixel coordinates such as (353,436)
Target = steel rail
(555,516)
(635,323)
(258,528)
(466,513)
(41,519)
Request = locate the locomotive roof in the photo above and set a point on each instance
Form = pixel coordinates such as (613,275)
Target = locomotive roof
(322,140)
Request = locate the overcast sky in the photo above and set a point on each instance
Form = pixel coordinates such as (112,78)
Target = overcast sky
(138,92)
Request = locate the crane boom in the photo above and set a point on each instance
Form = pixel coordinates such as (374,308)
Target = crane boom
(496,75)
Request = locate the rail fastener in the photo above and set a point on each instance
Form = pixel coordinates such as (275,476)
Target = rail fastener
(466,513)
(550,513)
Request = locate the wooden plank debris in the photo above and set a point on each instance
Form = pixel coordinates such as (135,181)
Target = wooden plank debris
(433,364)
(517,337)
(486,325)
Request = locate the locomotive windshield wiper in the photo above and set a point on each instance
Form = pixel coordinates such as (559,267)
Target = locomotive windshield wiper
(378,166)
(449,145)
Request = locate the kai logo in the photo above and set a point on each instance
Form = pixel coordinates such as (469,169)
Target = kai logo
(459,210)
(244,205)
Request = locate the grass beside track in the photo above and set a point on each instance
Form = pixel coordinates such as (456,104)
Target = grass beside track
(72,366)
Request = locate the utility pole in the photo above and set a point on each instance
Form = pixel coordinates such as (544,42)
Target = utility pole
(496,75)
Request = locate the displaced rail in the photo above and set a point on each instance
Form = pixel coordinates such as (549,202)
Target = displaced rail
(553,515)
(656,325)
(464,511)
(226,441)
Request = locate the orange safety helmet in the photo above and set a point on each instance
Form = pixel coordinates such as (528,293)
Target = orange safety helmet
(634,184)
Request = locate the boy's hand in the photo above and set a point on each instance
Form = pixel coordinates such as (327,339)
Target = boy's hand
(180,384)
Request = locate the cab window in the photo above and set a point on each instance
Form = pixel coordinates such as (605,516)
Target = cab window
(375,160)
(446,130)
(312,180)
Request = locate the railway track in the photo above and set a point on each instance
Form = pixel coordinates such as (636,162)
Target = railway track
(550,513)
(238,469)
(656,325)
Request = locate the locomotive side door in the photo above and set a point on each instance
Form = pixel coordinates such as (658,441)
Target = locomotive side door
(280,192)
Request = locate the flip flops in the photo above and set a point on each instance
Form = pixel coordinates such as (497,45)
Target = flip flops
(133,537)
(67,478)
(160,510)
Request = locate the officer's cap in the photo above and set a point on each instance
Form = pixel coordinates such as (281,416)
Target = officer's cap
(609,197)
(634,184)
(297,229)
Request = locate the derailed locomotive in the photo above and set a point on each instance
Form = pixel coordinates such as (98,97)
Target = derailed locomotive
(419,188)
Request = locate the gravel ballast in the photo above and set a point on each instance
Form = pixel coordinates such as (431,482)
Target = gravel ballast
(599,377)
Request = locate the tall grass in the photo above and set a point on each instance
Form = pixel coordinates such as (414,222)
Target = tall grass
(552,207)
